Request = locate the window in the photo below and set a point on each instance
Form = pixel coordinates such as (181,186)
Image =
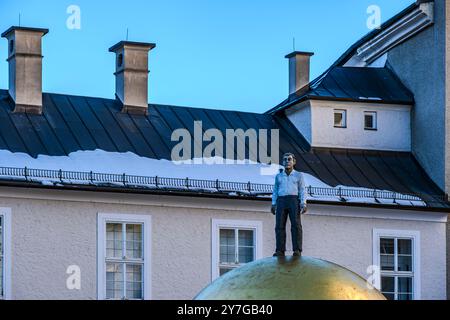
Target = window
(234,244)
(397,258)
(237,246)
(370,120)
(340,118)
(124,253)
(396,268)
(5,249)
(124,261)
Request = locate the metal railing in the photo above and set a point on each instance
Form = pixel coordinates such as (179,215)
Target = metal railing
(62,177)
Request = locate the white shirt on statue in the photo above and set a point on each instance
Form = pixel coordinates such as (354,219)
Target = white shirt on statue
(289,185)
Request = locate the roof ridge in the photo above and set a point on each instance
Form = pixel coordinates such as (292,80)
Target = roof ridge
(149,104)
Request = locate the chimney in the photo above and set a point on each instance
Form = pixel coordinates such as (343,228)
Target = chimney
(132,75)
(25,68)
(298,70)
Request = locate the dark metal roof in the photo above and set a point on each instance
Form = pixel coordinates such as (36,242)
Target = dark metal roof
(13,28)
(71,123)
(132,43)
(303,53)
(361,84)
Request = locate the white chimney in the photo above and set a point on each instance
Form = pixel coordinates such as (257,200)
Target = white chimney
(132,75)
(299,63)
(25,67)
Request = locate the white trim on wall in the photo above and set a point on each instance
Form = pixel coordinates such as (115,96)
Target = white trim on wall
(154,200)
(102,219)
(6,214)
(375,213)
(244,224)
(415,235)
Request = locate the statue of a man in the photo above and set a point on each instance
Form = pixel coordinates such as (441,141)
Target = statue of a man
(288,199)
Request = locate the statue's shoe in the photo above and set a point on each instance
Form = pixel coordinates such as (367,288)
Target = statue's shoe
(278,254)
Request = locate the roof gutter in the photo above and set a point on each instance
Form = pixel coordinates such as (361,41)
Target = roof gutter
(312,97)
(381,206)
(217,195)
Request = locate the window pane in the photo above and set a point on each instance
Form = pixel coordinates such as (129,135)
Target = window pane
(387,284)
(245,237)
(222,270)
(389,296)
(387,254)
(227,237)
(338,119)
(227,254)
(404,246)
(405,285)
(368,121)
(404,263)
(114,281)
(246,254)
(246,246)
(387,262)
(387,246)
(134,241)
(227,246)
(134,281)
(114,240)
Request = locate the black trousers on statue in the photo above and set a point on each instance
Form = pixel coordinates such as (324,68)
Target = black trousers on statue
(288,206)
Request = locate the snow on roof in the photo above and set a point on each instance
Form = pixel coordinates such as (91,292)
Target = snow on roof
(130,164)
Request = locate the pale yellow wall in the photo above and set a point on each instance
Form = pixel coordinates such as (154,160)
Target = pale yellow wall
(49,235)
(348,242)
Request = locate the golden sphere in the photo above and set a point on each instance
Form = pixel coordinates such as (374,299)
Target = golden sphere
(290,278)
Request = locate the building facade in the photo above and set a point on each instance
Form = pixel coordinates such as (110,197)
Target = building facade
(93,207)
(50,231)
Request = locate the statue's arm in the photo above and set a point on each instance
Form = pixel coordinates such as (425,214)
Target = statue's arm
(274,195)
(302,193)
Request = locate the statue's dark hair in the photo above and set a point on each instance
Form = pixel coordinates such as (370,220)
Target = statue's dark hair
(287,154)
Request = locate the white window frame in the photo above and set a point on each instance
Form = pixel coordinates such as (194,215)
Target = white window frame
(375,124)
(146,221)
(343,112)
(5,213)
(217,224)
(415,236)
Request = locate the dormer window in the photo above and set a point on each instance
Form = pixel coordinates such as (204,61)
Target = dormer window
(370,120)
(340,118)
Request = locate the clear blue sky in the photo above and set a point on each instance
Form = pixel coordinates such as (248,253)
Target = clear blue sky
(221,54)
